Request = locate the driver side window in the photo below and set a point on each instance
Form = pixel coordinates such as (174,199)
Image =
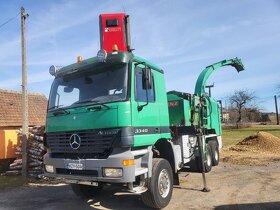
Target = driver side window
(140,91)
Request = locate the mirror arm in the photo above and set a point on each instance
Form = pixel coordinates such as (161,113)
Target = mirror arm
(139,108)
(58,99)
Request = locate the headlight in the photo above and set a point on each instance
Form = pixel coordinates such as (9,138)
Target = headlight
(112,172)
(49,168)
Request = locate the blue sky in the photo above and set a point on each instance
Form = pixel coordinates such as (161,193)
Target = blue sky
(182,37)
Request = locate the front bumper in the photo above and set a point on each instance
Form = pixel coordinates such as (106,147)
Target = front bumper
(95,165)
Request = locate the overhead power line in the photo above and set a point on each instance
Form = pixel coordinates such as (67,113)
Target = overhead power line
(9,20)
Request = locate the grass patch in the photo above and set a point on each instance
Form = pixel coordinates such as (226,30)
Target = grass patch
(233,136)
(7,182)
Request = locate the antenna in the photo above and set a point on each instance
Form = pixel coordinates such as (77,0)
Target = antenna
(123,8)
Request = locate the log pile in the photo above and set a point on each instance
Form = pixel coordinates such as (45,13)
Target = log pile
(35,153)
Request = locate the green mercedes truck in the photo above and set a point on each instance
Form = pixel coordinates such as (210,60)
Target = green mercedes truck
(111,121)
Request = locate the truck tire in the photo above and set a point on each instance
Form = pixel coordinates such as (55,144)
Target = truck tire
(215,152)
(160,185)
(208,162)
(86,191)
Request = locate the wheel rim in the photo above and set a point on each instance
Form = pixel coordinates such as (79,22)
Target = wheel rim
(164,183)
(208,159)
(216,155)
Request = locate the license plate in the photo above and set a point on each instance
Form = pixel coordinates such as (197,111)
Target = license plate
(75,166)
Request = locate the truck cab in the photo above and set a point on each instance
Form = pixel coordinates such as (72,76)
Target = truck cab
(100,114)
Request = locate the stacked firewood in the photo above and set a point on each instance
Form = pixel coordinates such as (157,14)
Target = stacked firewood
(35,153)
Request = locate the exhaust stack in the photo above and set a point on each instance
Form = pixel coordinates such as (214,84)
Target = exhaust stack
(114,32)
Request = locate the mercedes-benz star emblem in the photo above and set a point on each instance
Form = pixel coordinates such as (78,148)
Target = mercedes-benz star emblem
(75,141)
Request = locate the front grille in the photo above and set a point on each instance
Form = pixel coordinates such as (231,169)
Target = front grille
(94,143)
(64,171)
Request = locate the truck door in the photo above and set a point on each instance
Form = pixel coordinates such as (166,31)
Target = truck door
(144,107)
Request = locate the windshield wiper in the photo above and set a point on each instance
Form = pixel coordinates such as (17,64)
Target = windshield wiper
(98,107)
(84,101)
(60,112)
(56,106)
(92,101)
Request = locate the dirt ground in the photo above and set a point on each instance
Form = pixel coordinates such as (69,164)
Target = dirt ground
(260,149)
(232,187)
(247,178)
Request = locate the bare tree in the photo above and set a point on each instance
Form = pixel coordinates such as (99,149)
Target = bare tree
(241,100)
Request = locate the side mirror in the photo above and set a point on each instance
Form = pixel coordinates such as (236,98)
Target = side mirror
(146,78)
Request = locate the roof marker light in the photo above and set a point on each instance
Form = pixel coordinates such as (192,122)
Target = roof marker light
(79,59)
(115,47)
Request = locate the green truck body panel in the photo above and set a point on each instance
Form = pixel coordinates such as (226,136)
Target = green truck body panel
(155,114)
(179,111)
(83,118)
(213,117)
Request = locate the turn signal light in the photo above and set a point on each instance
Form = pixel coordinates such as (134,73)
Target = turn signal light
(128,162)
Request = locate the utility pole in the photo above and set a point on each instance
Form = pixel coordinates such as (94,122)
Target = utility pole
(276,107)
(24,15)
(209,88)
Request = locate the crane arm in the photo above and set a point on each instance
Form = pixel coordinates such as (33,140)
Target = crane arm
(204,75)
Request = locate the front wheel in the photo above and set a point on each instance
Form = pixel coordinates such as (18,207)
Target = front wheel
(160,185)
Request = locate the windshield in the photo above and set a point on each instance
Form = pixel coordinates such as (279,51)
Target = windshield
(105,85)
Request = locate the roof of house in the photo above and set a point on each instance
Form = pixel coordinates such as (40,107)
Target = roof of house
(11,108)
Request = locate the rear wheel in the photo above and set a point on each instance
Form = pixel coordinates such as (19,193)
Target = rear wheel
(160,185)
(207,162)
(86,191)
(215,152)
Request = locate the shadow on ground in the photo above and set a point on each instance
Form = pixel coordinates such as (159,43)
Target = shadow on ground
(115,198)
(62,197)
(251,206)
